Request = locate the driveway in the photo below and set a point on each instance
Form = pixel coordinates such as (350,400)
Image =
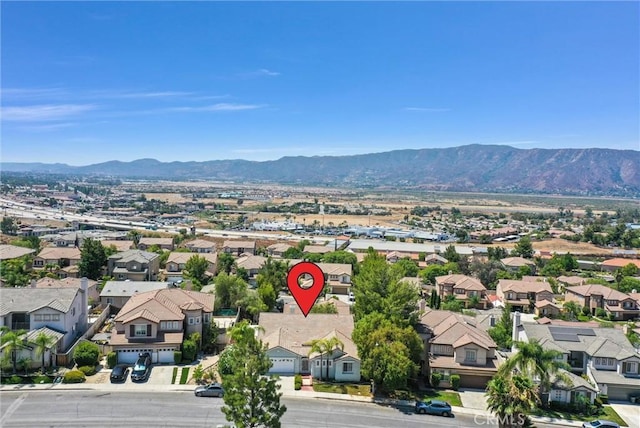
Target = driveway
(473,399)
(629,412)
(161,375)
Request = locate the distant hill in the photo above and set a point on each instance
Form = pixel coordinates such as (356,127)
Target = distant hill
(480,168)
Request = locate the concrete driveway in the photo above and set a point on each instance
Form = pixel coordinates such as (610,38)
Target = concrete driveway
(629,412)
(161,375)
(473,399)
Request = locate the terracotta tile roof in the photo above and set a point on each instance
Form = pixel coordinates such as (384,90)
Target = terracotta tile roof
(51,253)
(460,281)
(619,262)
(523,286)
(239,244)
(542,303)
(181,257)
(200,243)
(145,314)
(607,293)
(13,252)
(517,262)
(165,304)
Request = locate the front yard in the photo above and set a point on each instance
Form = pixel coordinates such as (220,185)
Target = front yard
(362,390)
(607,413)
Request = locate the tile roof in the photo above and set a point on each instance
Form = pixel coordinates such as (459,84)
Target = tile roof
(165,304)
(51,253)
(607,293)
(29,299)
(13,251)
(523,286)
(619,262)
(163,338)
(47,282)
(129,288)
(517,262)
(450,328)
(120,245)
(239,244)
(460,281)
(200,243)
(542,303)
(181,257)
(156,241)
(134,255)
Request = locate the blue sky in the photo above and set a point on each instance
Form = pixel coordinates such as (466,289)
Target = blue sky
(86,82)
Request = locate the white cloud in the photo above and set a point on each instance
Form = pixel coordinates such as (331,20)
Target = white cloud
(427,109)
(30,93)
(157,94)
(217,107)
(43,112)
(263,72)
(48,127)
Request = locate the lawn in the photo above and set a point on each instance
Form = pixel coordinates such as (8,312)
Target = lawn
(343,388)
(450,397)
(607,413)
(175,374)
(184,376)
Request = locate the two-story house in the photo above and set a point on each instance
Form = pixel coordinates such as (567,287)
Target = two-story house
(252,264)
(93,295)
(337,276)
(523,295)
(63,310)
(594,296)
(57,256)
(515,264)
(463,287)
(118,293)
(164,243)
(605,355)
(158,321)
(454,345)
(201,246)
(288,336)
(237,248)
(278,249)
(134,265)
(177,262)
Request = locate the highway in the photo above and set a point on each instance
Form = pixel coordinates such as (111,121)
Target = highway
(77,408)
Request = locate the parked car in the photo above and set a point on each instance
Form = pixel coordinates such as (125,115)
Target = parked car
(599,423)
(211,390)
(433,407)
(119,373)
(142,368)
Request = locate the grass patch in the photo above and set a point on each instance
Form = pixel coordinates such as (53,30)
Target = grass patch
(584,318)
(343,388)
(26,380)
(175,374)
(450,397)
(184,376)
(607,413)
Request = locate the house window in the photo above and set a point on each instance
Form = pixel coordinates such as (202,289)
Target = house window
(317,363)
(141,330)
(55,317)
(631,367)
(37,317)
(557,395)
(46,317)
(207,318)
(73,311)
(109,300)
(347,367)
(197,320)
(470,355)
(192,320)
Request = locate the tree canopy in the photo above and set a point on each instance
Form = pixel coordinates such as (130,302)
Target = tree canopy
(92,259)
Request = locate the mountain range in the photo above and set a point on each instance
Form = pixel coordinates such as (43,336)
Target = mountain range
(473,168)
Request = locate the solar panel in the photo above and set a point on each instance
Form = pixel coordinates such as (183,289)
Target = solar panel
(563,337)
(570,334)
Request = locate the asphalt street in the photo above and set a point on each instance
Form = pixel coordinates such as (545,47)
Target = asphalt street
(183,409)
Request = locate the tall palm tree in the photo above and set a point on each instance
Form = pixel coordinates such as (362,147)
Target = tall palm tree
(325,346)
(511,398)
(12,342)
(534,361)
(317,346)
(43,342)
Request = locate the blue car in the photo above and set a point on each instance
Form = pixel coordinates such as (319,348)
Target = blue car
(433,407)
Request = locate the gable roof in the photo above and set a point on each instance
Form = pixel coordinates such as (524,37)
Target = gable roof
(572,280)
(181,257)
(129,288)
(200,243)
(251,262)
(450,328)
(13,251)
(523,286)
(460,281)
(134,255)
(619,262)
(607,293)
(165,304)
(155,241)
(47,282)
(29,299)
(516,262)
(239,244)
(54,253)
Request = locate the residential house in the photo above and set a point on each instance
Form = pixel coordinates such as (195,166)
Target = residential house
(523,295)
(563,392)
(118,244)
(118,293)
(318,249)
(613,265)
(164,243)
(515,264)
(463,287)
(57,256)
(63,310)
(9,252)
(454,345)
(135,265)
(435,259)
(547,308)
(177,262)
(237,248)
(337,276)
(278,249)
(201,246)
(289,334)
(158,321)
(252,264)
(605,355)
(595,296)
(30,352)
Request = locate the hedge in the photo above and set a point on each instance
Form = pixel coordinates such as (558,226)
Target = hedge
(86,354)
(112,359)
(73,376)
(88,370)
(177,357)
(297,382)
(455,381)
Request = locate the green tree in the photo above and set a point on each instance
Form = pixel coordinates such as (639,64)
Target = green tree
(325,346)
(533,361)
(43,342)
(431,272)
(196,268)
(32,242)
(405,267)
(324,308)
(451,254)
(453,305)
(343,257)
(15,272)
(8,226)
(524,248)
(629,269)
(268,295)
(572,309)
(86,354)
(511,398)
(502,332)
(135,236)
(12,342)
(293,253)
(273,272)
(225,262)
(230,291)
(251,397)
(92,259)
(628,284)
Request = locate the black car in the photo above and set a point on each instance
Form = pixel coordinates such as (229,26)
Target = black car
(142,368)
(119,373)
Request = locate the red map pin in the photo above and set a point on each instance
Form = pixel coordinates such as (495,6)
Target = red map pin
(305,295)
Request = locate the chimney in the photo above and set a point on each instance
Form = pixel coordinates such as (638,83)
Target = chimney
(492,320)
(33,283)
(84,289)
(516,324)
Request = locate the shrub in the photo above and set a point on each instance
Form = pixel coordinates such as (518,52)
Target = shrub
(198,373)
(86,354)
(604,398)
(88,370)
(189,350)
(601,313)
(73,376)
(297,382)
(585,311)
(13,380)
(196,338)
(455,381)
(112,359)
(210,376)
(42,379)
(177,357)
(435,379)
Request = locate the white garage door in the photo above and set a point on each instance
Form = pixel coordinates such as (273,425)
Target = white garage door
(282,365)
(165,356)
(130,356)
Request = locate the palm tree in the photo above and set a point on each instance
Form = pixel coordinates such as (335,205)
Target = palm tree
(43,342)
(134,235)
(25,363)
(12,341)
(316,346)
(327,346)
(534,361)
(511,398)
